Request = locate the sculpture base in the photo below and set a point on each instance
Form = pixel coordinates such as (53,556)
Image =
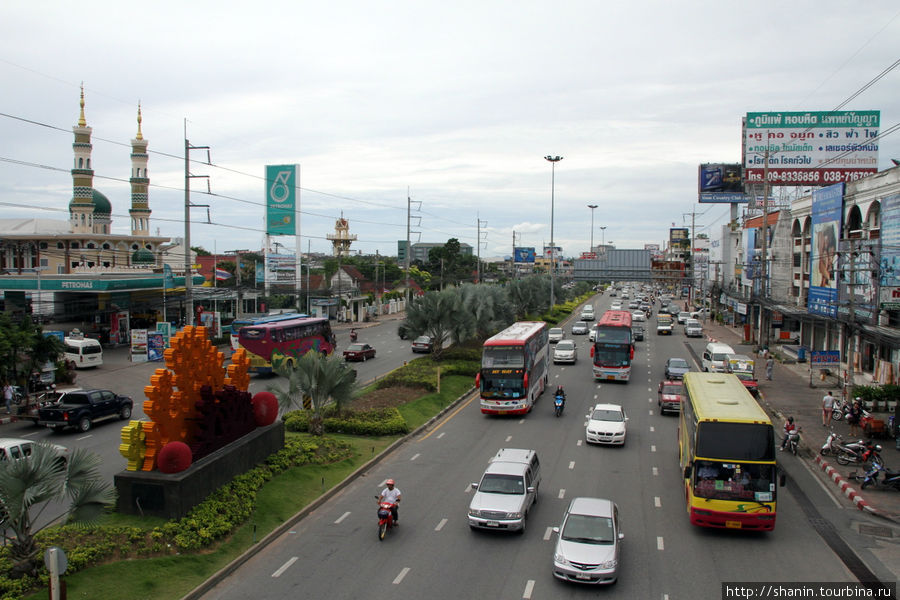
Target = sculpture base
(172,496)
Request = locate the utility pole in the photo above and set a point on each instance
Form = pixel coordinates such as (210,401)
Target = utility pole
(553,160)
(188,263)
(409,202)
(480,223)
(763,321)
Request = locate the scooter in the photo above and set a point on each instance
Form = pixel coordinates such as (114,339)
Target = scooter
(839,409)
(844,453)
(385,517)
(559,403)
(353,336)
(793,441)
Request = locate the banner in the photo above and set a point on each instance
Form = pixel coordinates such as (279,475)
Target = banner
(282,185)
(827,205)
(524,255)
(719,182)
(138,345)
(156,346)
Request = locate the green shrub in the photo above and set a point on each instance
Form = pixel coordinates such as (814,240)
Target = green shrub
(385,421)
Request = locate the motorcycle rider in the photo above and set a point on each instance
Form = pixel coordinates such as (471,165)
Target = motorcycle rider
(789,428)
(560,393)
(392,495)
(353,335)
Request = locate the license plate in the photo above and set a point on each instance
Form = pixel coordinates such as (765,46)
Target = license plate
(582,576)
(611,377)
(733,524)
(492,524)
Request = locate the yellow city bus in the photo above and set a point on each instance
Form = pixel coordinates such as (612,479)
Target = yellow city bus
(727,450)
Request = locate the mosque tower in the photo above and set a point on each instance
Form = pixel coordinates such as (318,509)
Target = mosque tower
(81,208)
(140,183)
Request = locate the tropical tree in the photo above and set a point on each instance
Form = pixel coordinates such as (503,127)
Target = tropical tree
(323,380)
(28,487)
(529,295)
(23,346)
(441,316)
(490,307)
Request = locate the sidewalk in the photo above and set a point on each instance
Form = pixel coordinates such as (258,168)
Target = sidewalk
(789,394)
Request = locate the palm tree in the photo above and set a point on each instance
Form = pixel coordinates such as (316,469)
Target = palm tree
(28,486)
(441,316)
(324,380)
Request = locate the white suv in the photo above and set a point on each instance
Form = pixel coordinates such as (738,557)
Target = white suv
(506,492)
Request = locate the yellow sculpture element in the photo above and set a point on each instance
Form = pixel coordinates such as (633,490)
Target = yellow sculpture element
(132,446)
(193,362)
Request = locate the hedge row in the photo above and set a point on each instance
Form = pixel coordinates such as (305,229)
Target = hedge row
(214,518)
(385,421)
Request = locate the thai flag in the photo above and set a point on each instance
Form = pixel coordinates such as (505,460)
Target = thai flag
(222,274)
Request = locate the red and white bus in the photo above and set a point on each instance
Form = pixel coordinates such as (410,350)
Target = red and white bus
(282,343)
(514,369)
(613,348)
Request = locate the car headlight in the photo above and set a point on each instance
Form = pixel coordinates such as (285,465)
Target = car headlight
(559,558)
(610,564)
(514,515)
(474,513)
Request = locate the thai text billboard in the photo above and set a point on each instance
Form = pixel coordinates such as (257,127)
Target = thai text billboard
(811,148)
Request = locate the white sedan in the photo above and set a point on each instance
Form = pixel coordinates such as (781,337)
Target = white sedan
(606,425)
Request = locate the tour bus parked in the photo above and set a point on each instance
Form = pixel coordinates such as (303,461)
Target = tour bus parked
(514,369)
(271,345)
(84,352)
(727,453)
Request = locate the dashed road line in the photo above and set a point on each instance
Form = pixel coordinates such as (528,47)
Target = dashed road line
(400,577)
(562,493)
(652,447)
(342,517)
(656,502)
(571,465)
(508,438)
(441,434)
(529,588)
(441,525)
(659,543)
(285,566)
(547,533)
(655,472)
(415,456)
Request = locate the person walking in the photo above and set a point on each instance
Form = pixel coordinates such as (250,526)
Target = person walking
(770,364)
(827,405)
(8,396)
(853,416)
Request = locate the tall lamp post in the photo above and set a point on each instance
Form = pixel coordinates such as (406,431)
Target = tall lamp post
(553,160)
(603,235)
(592,207)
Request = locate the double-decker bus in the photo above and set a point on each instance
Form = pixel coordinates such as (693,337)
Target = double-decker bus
(235,327)
(281,343)
(613,348)
(727,448)
(514,369)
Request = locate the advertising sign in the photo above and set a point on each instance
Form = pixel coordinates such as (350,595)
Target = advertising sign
(811,148)
(588,255)
(826,226)
(156,346)
(524,255)
(679,238)
(138,345)
(719,182)
(282,185)
(889,263)
(552,252)
(825,358)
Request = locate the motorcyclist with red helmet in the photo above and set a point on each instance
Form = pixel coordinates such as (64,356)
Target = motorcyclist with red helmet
(391,494)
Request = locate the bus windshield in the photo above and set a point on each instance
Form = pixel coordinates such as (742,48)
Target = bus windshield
(502,383)
(613,335)
(736,441)
(718,480)
(503,356)
(614,356)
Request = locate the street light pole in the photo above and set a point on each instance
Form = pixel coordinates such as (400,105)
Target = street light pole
(603,235)
(592,207)
(553,160)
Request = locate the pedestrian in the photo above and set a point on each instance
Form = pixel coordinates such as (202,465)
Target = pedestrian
(853,416)
(770,364)
(827,405)
(8,396)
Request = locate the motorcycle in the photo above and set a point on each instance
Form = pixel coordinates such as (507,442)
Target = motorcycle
(385,517)
(559,403)
(353,336)
(793,441)
(846,453)
(839,409)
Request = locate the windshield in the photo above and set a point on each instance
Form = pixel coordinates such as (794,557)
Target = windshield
(734,481)
(565,345)
(612,357)
(502,484)
(736,441)
(614,335)
(606,414)
(356,347)
(556,331)
(678,363)
(671,390)
(588,529)
(503,356)
(502,383)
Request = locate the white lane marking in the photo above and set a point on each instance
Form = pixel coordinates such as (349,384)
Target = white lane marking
(652,429)
(284,567)
(650,400)
(579,443)
(509,437)
(84,437)
(651,412)
(659,543)
(440,435)
(342,517)
(521,421)
(655,472)
(571,464)
(652,447)
(415,456)
(547,533)
(649,389)
(441,525)
(656,502)
(529,587)
(562,493)
(468,488)
(403,573)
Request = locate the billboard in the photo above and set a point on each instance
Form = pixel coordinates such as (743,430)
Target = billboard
(679,238)
(524,255)
(811,148)
(827,205)
(549,253)
(720,182)
(889,261)
(282,185)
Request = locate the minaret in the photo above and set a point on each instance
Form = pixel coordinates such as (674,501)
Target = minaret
(81,209)
(140,183)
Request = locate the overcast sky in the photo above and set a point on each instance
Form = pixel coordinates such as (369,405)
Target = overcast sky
(456,102)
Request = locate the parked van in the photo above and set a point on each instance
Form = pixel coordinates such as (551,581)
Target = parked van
(587,312)
(507,490)
(84,352)
(715,357)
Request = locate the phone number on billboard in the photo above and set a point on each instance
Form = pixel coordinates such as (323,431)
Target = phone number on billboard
(810,176)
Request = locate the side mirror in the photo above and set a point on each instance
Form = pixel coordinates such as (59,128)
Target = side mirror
(621,536)
(556,530)
(687,471)
(474,486)
(531,489)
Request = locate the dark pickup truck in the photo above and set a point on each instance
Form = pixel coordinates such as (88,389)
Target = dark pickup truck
(81,409)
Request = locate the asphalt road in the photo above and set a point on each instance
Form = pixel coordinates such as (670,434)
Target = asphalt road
(335,553)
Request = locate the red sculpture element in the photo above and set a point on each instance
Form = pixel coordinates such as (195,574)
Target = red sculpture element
(265,408)
(222,417)
(174,457)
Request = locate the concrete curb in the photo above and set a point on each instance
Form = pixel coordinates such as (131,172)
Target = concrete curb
(854,496)
(231,567)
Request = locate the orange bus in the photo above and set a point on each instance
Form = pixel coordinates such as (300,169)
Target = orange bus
(613,348)
(727,452)
(281,343)
(514,369)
